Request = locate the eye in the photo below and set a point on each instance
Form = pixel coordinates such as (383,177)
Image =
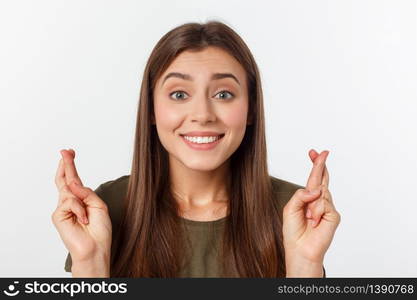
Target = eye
(181,93)
(224,94)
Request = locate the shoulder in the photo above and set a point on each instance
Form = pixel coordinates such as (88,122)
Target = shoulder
(283,190)
(113,187)
(113,192)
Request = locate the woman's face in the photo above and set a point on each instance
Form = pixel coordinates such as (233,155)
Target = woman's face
(201,108)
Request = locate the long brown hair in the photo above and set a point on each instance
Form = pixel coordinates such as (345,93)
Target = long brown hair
(150,237)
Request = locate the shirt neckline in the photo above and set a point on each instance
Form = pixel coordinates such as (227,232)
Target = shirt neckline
(195,223)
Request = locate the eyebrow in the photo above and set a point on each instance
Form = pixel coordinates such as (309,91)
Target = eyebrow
(215,76)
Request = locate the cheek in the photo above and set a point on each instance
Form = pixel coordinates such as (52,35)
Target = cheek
(235,116)
(167,117)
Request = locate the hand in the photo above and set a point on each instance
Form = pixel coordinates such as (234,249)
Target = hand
(81,217)
(310,220)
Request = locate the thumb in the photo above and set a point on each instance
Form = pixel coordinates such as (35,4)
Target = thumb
(300,198)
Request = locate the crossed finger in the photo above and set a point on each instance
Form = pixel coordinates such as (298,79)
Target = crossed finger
(319,174)
(319,179)
(313,156)
(316,209)
(69,167)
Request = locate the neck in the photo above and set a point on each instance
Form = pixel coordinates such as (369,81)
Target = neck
(194,188)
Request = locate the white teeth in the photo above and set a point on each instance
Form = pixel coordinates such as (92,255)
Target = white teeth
(201,139)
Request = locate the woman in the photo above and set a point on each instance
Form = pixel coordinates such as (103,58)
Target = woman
(199,176)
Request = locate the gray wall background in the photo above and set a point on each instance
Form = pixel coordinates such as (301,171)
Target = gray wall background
(337,75)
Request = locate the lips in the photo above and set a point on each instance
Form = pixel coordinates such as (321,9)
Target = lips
(202,139)
(203,146)
(203,133)
(219,136)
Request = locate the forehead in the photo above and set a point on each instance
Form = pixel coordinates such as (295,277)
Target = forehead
(207,61)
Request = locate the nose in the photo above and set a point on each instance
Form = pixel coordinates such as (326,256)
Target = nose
(202,111)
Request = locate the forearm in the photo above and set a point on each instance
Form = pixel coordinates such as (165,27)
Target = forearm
(97,267)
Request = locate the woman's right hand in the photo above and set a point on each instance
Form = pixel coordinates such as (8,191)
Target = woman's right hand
(85,241)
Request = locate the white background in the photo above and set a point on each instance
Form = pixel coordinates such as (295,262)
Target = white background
(337,75)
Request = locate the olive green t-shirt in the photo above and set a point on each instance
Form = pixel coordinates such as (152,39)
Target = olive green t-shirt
(205,236)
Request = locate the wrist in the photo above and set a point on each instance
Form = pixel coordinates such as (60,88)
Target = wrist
(98,266)
(299,267)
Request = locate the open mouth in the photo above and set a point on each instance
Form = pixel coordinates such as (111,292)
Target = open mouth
(202,142)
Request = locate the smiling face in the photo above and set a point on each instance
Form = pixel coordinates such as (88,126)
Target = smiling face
(200,94)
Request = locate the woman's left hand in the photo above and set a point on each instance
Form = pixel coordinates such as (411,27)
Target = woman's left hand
(309,222)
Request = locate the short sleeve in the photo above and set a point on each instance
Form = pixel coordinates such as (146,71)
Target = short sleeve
(68,260)
(68,263)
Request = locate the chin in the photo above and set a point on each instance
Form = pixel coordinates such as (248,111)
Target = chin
(201,165)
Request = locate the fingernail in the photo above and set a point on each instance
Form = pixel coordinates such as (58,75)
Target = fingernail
(85,220)
(308,215)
